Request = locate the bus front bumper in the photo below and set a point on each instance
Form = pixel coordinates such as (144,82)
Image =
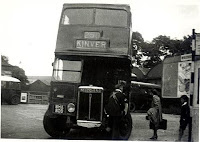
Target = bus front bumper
(88,124)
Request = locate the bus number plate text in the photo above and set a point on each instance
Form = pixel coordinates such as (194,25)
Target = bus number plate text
(59,109)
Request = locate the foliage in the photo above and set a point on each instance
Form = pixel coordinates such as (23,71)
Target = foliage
(155,51)
(4,59)
(16,71)
(19,73)
(137,43)
(173,46)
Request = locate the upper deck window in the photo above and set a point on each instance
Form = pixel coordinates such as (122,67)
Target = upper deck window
(111,17)
(77,16)
(102,17)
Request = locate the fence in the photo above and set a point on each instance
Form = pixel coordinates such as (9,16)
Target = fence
(35,97)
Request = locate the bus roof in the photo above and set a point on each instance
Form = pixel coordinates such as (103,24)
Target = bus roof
(111,40)
(90,5)
(8,78)
(150,85)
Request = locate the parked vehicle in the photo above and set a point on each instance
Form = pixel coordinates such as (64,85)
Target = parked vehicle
(140,98)
(10,90)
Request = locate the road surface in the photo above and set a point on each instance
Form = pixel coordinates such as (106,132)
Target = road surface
(24,121)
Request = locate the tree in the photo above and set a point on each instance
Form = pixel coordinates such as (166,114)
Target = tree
(19,73)
(137,43)
(163,46)
(4,59)
(152,54)
(185,46)
(163,43)
(173,47)
(16,71)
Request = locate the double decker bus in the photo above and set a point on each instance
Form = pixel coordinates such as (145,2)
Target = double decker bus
(93,53)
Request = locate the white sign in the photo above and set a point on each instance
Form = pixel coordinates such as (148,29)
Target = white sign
(184,76)
(198,44)
(24,98)
(186,57)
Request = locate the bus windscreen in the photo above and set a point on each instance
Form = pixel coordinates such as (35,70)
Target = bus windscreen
(65,70)
(111,17)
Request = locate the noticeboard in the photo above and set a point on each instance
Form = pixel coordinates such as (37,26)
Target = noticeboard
(169,80)
(197,45)
(176,77)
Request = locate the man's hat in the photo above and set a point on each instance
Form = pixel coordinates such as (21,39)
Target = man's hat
(156,92)
(184,97)
(120,84)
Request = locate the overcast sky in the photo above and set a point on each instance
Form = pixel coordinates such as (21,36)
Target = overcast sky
(28,28)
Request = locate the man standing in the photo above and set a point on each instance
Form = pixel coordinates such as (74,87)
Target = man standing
(117,107)
(185,115)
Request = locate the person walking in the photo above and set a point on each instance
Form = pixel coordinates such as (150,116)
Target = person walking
(184,116)
(155,113)
(116,108)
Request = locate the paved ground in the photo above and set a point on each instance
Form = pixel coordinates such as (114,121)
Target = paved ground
(24,121)
(141,131)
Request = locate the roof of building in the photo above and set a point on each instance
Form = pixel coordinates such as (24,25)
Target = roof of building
(137,72)
(45,79)
(155,72)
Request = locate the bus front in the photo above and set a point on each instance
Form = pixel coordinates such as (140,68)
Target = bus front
(92,54)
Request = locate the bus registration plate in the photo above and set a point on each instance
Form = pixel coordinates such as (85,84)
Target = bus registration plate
(59,109)
(91,44)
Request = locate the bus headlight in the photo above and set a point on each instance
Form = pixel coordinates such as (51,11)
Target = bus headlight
(71,107)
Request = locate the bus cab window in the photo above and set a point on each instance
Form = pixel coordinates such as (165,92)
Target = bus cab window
(66,70)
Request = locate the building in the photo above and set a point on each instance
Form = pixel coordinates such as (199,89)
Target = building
(154,75)
(39,85)
(38,90)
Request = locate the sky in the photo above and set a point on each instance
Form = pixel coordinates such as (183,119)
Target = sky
(28,28)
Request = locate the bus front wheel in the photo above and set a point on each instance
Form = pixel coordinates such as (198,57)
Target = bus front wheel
(125,127)
(55,127)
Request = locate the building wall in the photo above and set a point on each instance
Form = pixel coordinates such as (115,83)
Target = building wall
(138,73)
(195,124)
(39,86)
(195,107)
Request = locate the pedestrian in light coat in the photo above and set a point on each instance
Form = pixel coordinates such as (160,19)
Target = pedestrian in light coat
(155,113)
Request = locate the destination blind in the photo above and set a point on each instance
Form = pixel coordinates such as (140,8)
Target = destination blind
(91,44)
